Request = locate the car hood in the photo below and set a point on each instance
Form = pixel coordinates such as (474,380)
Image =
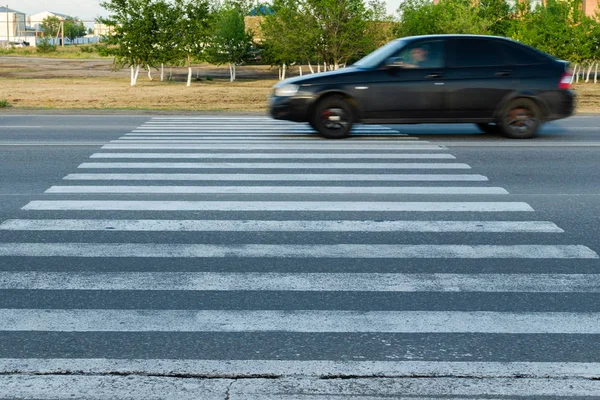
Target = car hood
(321,77)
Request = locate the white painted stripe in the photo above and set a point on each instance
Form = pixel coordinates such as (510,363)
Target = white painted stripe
(271,165)
(276,139)
(233,140)
(339,206)
(308,156)
(313,321)
(18,127)
(352,251)
(139,386)
(326,145)
(114,387)
(251,126)
(283,177)
(313,368)
(265,136)
(151,225)
(280,190)
(315,282)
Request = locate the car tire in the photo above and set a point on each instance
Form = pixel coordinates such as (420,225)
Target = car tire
(333,118)
(520,119)
(492,129)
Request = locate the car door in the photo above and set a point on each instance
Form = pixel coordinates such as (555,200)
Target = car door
(406,91)
(477,78)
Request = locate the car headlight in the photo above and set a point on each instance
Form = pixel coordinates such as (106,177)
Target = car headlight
(287,90)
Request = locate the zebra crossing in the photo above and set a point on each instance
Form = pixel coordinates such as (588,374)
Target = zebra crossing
(244,247)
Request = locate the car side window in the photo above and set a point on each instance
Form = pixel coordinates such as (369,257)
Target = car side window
(426,54)
(520,55)
(475,53)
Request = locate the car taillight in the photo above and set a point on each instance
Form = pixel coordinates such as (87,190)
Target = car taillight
(565,80)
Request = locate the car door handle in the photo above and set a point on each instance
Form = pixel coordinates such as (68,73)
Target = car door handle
(503,73)
(435,75)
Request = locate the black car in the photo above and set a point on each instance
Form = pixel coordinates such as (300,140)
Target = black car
(501,85)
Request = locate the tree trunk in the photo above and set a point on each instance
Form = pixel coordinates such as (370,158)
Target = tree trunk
(312,71)
(319,66)
(234,71)
(574,72)
(324,66)
(135,75)
(300,68)
(132,76)
(162,72)
(189,78)
(596,74)
(283,72)
(230,72)
(587,77)
(336,66)
(149,73)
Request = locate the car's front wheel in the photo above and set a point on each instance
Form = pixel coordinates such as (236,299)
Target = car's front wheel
(520,119)
(333,118)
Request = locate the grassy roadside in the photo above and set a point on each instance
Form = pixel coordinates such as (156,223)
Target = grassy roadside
(114,93)
(69,52)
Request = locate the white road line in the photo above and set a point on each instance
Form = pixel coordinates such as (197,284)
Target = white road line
(185,138)
(283,177)
(18,127)
(313,321)
(339,206)
(284,140)
(274,146)
(313,368)
(279,190)
(165,386)
(271,165)
(343,251)
(308,156)
(150,225)
(316,282)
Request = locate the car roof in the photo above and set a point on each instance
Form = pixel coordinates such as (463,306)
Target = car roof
(453,36)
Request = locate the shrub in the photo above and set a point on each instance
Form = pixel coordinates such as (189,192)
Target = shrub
(44,46)
(4,103)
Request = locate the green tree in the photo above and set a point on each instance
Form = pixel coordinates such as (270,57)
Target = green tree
(231,44)
(498,14)
(289,34)
(50,26)
(192,25)
(421,17)
(341,30)
(132,41)
(74,28)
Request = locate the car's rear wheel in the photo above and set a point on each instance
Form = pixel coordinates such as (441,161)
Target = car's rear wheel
(492,128)
(520,119)
(333,118)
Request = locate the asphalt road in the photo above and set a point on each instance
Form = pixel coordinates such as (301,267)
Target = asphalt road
(418,261)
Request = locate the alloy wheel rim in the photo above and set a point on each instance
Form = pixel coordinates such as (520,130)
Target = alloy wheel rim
(334,118)
(521,119)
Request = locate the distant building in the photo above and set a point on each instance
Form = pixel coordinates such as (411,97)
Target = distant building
(102,30)
(12,26)
(36,20)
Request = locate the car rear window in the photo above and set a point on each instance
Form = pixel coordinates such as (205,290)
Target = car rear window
(516,54)
(475,53)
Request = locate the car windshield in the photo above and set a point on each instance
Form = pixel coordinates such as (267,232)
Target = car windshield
(375,58)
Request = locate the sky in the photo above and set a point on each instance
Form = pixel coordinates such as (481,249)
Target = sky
(88,9)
